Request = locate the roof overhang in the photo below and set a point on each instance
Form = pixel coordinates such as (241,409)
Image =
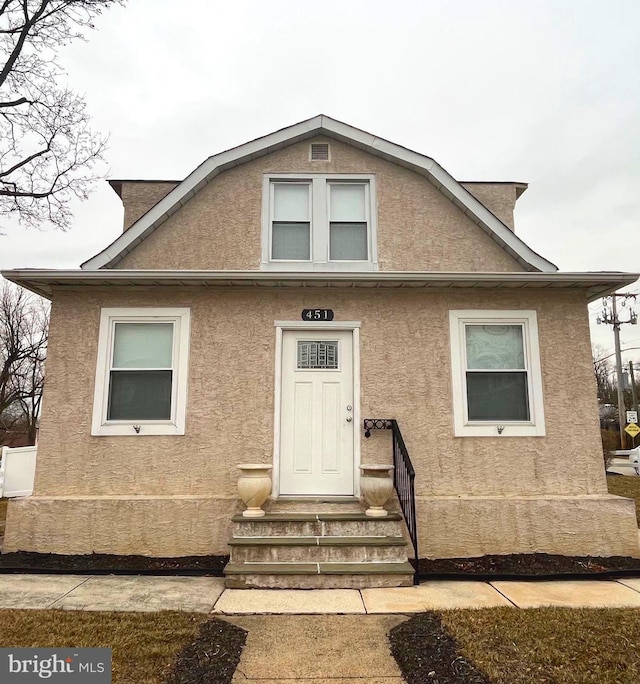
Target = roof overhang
(595,284)
(320,125)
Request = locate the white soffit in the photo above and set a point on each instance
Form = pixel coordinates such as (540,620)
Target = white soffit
(326,126)
(595,284)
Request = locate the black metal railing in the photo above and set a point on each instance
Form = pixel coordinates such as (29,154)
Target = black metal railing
(403,479)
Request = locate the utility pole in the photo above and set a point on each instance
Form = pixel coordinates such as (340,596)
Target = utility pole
(634,397)
(612,319)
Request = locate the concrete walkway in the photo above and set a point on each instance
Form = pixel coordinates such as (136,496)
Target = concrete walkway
(208,595)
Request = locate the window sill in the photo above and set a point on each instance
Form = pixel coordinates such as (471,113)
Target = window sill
(319,266)
(491,430)
(128,430)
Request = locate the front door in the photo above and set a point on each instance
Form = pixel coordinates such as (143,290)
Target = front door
(317,426)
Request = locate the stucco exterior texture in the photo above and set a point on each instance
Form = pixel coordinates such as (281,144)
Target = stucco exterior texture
(175,495)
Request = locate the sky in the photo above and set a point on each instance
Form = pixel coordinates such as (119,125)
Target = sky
(543,92)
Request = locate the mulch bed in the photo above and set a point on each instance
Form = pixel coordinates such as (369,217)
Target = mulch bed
(212,658)
(105,563)
(425,652)
(533,565)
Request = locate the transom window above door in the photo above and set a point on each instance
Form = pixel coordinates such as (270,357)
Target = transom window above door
(319,222)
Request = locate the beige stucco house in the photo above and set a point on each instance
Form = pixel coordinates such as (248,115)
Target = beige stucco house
(265,307)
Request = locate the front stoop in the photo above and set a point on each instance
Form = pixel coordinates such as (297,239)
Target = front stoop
(290,550)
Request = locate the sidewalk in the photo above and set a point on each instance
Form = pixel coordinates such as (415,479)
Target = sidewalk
(208,595)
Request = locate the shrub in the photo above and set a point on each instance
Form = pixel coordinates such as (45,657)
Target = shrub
(610,442)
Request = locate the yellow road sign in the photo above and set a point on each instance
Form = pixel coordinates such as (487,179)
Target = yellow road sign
(632,429)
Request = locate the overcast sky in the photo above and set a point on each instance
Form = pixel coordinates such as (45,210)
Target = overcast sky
(545,92)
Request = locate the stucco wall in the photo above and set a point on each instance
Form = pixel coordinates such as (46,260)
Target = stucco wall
(418,227)
(405,374)
(138,198)
(500,198)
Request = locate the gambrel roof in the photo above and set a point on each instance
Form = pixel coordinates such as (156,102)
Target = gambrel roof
(320,125)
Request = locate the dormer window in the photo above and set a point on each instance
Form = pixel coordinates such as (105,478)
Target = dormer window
(319,222)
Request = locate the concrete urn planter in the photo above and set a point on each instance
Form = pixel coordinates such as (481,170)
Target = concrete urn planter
(376,484)
(254,487)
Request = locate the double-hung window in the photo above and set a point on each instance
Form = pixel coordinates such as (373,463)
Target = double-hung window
(141,377)
(319,222)
(497,381)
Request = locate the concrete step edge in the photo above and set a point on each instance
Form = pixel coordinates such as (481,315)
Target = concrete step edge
(314,517)
(318,541)
(372,568)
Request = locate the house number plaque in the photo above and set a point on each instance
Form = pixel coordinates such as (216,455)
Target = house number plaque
(317,314)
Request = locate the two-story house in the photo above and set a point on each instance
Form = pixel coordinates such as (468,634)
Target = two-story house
(265,307)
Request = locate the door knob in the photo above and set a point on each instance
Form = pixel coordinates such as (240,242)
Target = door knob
(349,419)
(349,407)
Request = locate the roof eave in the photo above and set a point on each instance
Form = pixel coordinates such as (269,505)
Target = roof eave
(44,281)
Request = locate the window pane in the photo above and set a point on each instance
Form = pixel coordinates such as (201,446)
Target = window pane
(317,355)
(348,242)
(347,202)
(290,241)
(143,345)
(494,346)
(140,395)
(291,202)
(497,396)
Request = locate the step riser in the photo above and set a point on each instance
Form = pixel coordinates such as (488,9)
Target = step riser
(249,581)
(324,528)
(317,554)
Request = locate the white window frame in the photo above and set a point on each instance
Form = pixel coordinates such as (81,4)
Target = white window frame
(180,317)
(463,427)
(319,184)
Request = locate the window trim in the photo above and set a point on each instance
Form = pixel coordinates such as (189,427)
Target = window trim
(319,197)
(463,427)
(180,317)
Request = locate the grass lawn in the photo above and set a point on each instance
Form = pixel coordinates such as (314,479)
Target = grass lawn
(512,646)
(144,645)
(626,486)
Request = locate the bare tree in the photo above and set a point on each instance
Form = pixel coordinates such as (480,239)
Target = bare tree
(23,347)
(603,370)
(47,149)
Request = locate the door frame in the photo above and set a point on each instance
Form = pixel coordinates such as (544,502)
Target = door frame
(310,326)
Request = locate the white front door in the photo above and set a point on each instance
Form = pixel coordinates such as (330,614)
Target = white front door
(317,413)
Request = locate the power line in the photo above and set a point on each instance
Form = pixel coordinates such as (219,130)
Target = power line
(610,317)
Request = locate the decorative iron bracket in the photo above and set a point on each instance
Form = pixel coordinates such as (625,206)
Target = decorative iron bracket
(376,424)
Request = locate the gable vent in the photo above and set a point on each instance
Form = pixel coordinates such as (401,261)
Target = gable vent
(320,152)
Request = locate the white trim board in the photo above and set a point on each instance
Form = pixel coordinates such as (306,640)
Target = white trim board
(317,126)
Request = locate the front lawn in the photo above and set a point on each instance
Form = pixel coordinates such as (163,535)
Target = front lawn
(512,646)
(148,648)
(626,486)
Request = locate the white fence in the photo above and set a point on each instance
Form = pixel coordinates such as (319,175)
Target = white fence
(17,471)
(619,460)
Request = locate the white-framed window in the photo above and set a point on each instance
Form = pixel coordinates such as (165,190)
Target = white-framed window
(141,373)
(319,222)
(496,375)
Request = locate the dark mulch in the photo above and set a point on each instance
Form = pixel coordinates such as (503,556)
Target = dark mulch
(212,658)
(425,653)
(528,565)
(104,562)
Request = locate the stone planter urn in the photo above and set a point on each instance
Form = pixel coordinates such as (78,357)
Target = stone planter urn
(376,484)
(254,487)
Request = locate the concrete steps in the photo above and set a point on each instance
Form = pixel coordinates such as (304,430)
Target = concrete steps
(328,549)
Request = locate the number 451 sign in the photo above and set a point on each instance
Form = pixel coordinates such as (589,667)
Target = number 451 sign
(317,314)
